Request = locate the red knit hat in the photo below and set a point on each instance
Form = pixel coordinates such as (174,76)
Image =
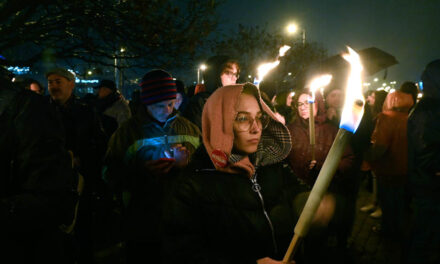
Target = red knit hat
(157,86)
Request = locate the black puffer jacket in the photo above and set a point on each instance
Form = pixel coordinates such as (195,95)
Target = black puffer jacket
(424,138)
(217,217)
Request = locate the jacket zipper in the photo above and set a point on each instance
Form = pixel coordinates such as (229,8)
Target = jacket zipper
(257,188)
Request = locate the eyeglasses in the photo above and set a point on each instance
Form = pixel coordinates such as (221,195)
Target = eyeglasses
(299,104)
(231,74)
(245,121)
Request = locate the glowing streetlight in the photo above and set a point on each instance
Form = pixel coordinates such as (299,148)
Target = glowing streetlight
(117,66)
(293,28)
(202,67)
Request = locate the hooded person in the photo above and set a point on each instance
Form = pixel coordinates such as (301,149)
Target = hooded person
(221,70)
(424,169)
(234,202)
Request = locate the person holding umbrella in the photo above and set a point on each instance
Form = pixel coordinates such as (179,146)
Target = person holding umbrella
(234,203)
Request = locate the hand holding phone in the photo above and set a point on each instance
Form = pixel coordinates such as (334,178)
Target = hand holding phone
(167,159)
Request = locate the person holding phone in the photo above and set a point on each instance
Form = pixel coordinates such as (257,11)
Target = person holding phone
(143,157)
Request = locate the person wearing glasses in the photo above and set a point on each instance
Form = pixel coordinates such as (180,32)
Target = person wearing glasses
(234,202)
(307,169)
(220,71)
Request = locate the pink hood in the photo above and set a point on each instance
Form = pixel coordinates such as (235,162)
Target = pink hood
(218,118)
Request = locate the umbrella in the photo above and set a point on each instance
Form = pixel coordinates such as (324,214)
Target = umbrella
(373,60)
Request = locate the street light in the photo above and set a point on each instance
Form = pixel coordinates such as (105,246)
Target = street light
(202,67)
(293,28)
(118,70)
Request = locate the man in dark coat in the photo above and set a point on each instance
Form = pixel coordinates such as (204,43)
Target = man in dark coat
(38,184)
(424,169)
(86,140)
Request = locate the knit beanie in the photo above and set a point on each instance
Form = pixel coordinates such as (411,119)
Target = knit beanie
(157,86)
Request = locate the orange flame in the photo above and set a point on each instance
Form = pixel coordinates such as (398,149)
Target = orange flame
(264,68)
(317,83)
(354,100)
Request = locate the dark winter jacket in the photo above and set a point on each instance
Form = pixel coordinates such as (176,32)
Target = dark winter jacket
(424,138)
(220,217)
(37,182)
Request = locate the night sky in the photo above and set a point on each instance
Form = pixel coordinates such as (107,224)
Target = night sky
(409,30)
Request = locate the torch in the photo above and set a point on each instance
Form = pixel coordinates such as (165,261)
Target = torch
(318,82)
(350,119)
(264,68)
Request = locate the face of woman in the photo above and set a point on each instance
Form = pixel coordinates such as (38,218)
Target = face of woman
(248,125)
(335,99)
(304,108)
(371,98)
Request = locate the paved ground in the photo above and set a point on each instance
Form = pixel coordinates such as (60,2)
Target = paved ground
(364,245)
(367,246)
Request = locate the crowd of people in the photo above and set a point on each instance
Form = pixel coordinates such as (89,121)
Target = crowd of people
(218,174)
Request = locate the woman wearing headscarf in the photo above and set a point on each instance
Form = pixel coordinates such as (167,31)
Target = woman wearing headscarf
(234,204)
(307,169)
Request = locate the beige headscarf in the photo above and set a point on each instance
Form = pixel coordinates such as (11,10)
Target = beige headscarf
(218,118)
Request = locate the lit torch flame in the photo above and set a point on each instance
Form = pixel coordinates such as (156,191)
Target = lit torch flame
(354,100)
(283,50)
(351,117)
(317,83)
(264,68)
